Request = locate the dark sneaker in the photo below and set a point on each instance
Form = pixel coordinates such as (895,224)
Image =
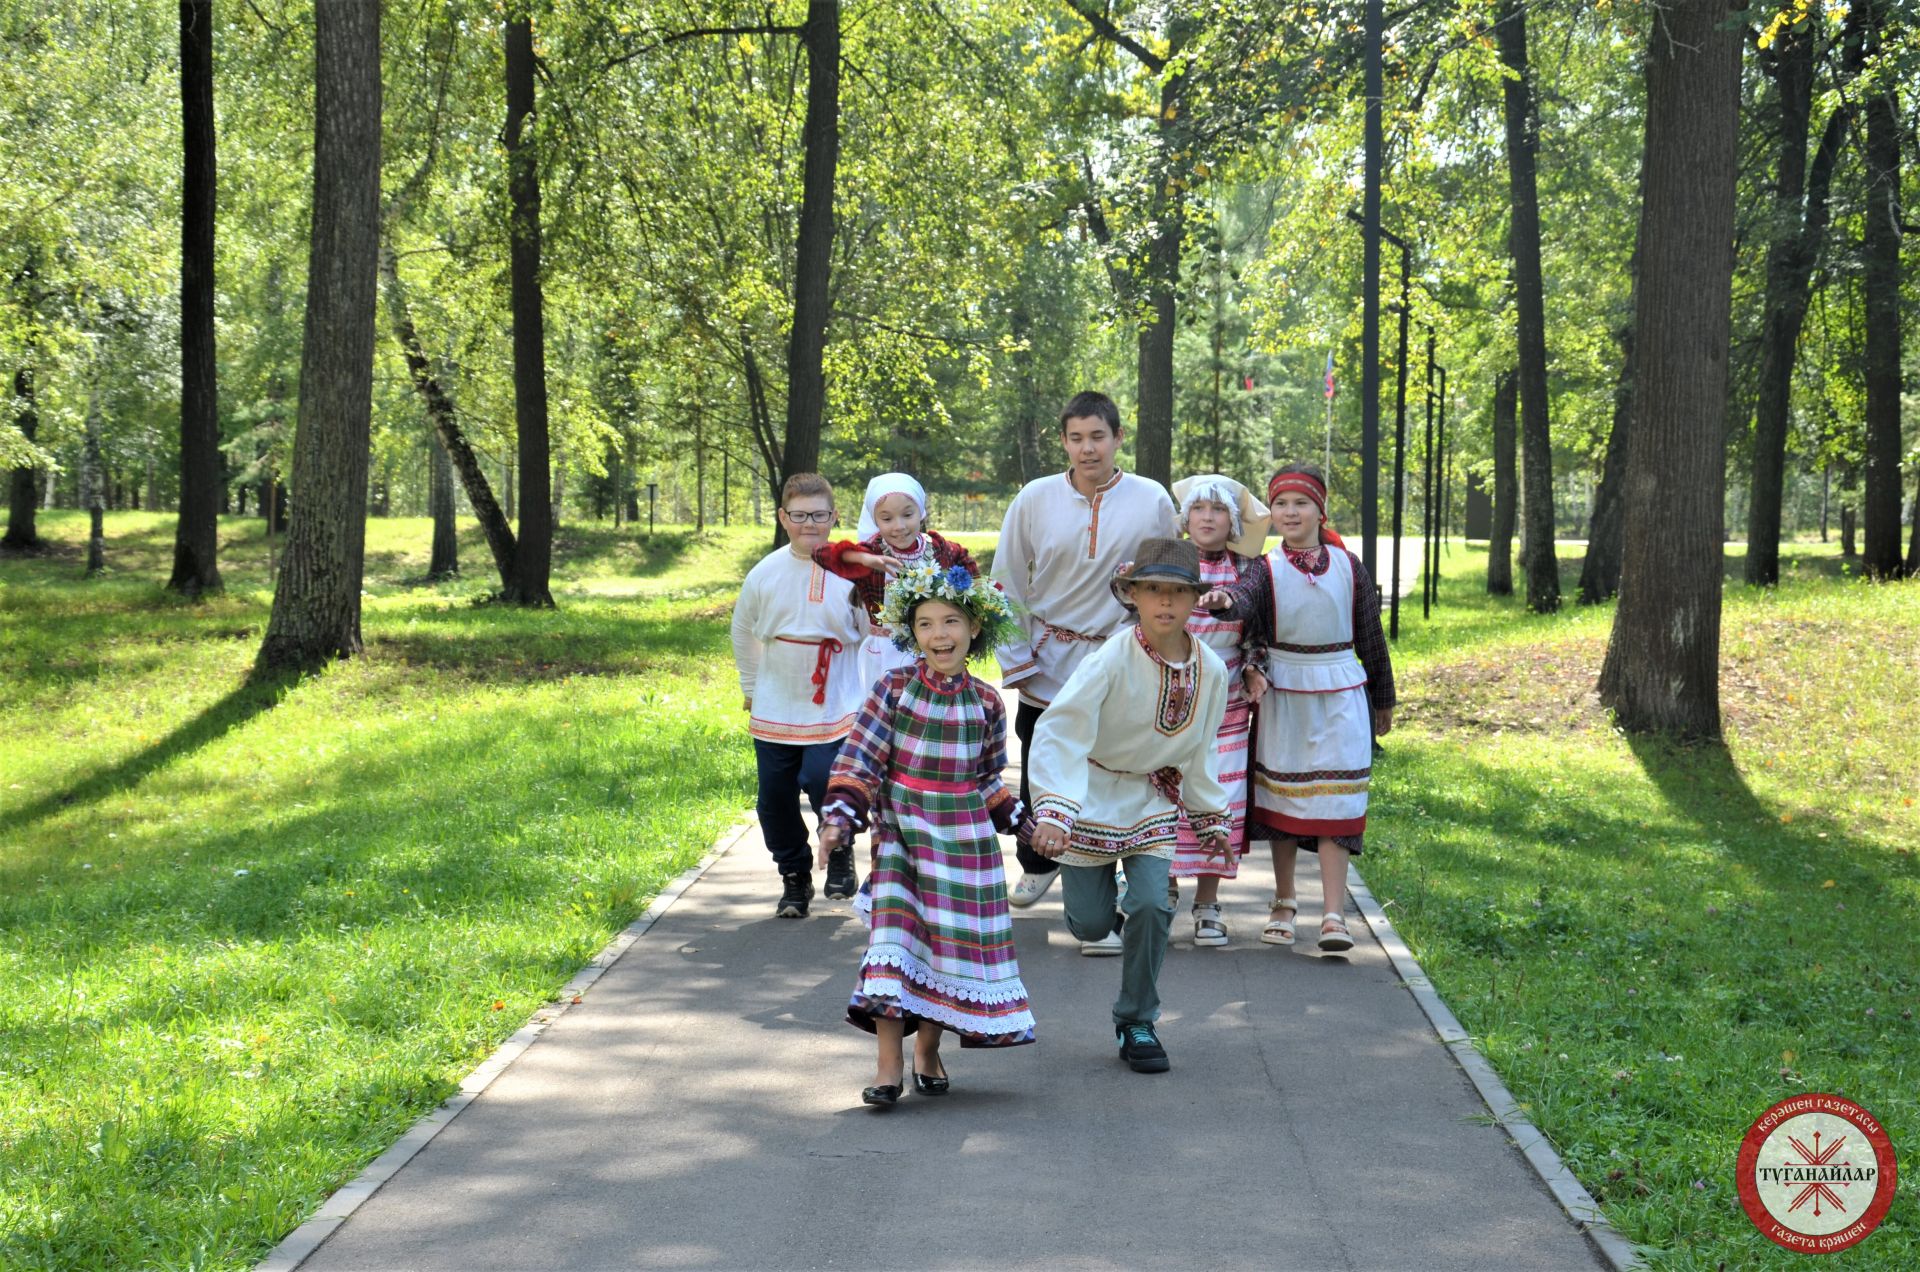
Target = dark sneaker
(795,891)
(1140,1048)
(842,882)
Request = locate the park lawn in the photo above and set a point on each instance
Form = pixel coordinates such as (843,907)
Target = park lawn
(435,837)
(254,931)
(1654,943)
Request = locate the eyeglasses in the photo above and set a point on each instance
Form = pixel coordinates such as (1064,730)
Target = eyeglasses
(809,518)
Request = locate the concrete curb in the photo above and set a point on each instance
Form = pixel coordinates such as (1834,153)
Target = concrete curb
(1578,1203)
(294,1249)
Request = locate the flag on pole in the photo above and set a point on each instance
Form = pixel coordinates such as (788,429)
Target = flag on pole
(1329,374)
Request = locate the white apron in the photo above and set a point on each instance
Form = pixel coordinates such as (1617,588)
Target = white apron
(1315,754)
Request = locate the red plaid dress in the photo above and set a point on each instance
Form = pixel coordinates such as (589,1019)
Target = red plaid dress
(922,768)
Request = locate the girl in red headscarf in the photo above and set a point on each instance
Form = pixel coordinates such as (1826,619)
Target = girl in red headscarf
(1312,616)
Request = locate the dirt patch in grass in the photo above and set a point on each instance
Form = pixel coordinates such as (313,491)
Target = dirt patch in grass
(1551,688)
(1543,689)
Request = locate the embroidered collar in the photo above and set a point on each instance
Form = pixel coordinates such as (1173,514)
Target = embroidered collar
(1110,483)
(1140,635)
(941,684)
(920,547)
(1179,687)
(1309,561)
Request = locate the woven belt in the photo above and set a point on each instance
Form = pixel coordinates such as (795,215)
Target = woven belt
(931,784)
(828,648)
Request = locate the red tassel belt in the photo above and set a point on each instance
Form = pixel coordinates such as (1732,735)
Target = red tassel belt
(931,784)
(1066,636)
(828,648)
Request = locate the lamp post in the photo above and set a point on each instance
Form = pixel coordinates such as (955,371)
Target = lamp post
(653,491)
(1399,424)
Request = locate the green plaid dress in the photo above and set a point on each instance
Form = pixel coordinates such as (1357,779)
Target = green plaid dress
(922,768)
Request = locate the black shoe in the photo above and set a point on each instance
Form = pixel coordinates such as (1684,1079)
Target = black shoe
(1140,1048)
(842,882)
(927,1085)
(881,1097)
(795,891)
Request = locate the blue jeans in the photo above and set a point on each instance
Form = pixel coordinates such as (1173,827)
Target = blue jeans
(786,771)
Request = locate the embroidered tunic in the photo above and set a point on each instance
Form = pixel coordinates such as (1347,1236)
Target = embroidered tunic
(1057,554)
(922,767)
(794,630)
(1129,741)
(1311,611)
(1226,637)
(878,654)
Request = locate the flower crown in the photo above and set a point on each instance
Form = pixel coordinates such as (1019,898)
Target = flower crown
(987,606)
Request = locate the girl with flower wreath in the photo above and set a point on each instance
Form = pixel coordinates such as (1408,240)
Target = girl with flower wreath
(922,769)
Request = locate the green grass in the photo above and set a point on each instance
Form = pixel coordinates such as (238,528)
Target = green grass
(1655,943)
(254,930)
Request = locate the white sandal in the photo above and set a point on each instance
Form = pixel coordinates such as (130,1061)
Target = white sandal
(1208,927)
(1280,931)
(1334,936)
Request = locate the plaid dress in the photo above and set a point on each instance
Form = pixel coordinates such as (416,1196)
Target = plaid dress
(922,768)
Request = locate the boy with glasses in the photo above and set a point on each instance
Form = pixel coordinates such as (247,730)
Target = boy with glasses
(795,632)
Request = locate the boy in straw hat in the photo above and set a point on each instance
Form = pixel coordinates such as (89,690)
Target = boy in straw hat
(1123,752)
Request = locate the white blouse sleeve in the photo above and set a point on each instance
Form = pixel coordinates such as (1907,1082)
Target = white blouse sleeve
(1063,743)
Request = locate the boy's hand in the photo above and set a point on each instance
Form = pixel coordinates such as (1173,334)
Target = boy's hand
(1049,840)
(830,836)
(1256,683)
(1215,599)
(1382,721)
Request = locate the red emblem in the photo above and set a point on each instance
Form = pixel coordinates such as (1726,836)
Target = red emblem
(1816,1173)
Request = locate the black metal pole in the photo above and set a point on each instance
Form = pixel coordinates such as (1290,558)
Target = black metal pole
(1426,511)
(1445,454)
(726,486)
(653,489)
(1370,308)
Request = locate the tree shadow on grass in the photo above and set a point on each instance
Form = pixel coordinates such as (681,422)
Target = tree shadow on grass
(258,693)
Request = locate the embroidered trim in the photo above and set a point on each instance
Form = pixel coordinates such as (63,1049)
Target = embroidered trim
(1334,648)
(1315,775)
(840,808)
(817,584)
(893,954)
(799,734)
(1057,809)
(1179,689)
(1309,791)
(1096,840)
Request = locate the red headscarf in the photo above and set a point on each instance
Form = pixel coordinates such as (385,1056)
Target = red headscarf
(1313,488)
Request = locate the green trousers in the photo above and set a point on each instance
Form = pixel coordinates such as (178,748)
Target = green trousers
(1090,895)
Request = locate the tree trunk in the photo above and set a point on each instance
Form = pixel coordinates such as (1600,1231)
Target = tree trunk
(446,428)
(445,562)
(813,252)
(1791,255)
(1606,532)
(1506,485)
(93,486)
(316,607)
(23,530)
(533,559)
(1523,240)
(1662,668)
(196,541)
(1880,278)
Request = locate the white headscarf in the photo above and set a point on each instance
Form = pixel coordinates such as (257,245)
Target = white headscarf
(882,486)
(1250,516)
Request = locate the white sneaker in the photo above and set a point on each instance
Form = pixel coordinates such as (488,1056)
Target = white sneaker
(1030,888)
(1208,927)
(1107,946)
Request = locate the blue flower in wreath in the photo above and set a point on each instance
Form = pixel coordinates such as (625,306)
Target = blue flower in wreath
(958,578)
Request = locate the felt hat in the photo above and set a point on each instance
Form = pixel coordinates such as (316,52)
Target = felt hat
(1167,560)
(1250,517)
